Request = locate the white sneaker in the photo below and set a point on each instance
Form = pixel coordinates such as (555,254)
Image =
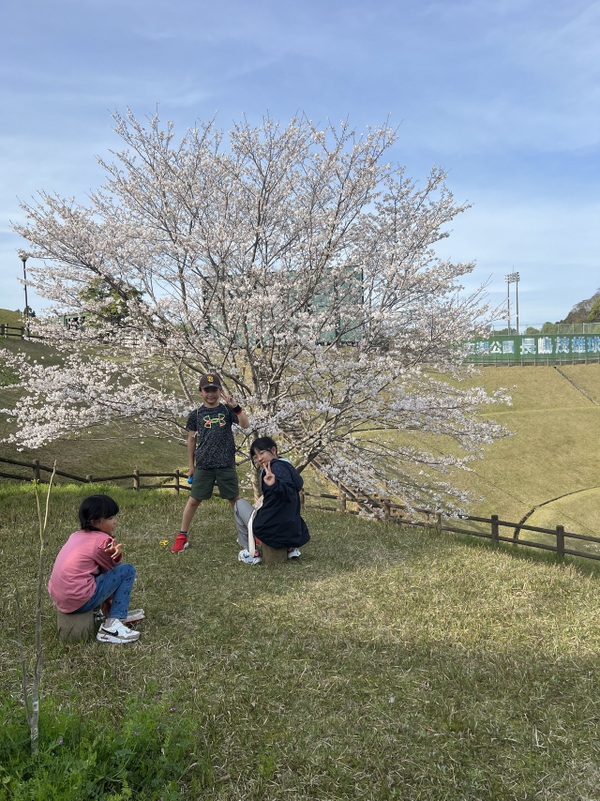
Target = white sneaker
(244,556)
(134,616)
(294,553)
(117,633)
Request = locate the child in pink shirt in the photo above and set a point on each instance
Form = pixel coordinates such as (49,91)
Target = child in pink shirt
(88,571)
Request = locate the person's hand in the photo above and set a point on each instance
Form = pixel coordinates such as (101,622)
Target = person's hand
(228,399)
(268,477)
(114,549)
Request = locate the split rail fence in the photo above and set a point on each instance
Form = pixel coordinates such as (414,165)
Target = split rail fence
(11,331)
(558,540)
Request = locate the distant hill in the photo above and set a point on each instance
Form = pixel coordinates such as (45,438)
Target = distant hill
(586,311)
(13,318)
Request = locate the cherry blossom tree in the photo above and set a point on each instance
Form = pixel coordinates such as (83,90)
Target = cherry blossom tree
(294,260)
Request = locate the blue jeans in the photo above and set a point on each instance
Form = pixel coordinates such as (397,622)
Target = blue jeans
(117,583)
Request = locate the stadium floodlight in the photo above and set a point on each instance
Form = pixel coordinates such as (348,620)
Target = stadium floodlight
(512,278)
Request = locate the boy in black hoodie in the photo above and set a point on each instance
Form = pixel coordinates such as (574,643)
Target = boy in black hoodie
(276,520)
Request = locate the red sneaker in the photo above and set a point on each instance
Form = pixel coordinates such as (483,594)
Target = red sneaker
(181,543)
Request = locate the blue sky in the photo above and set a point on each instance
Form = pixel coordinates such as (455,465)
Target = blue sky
(504,94)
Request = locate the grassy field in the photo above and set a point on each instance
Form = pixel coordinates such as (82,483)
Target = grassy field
(551,453)
(12,318)
(386,663)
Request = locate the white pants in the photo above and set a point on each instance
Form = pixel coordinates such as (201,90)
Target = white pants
(242,512)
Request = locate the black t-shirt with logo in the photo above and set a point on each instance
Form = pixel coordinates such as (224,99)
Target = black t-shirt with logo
(215,446)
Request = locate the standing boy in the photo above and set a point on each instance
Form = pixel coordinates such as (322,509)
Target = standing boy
(211,450)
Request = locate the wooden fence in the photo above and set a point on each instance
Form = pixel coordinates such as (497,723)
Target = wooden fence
(557,540)
(179,479)
(12,331)
(491,528)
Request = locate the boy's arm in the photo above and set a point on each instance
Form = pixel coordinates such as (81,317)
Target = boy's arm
(191,450)
(242,418)
(280,480)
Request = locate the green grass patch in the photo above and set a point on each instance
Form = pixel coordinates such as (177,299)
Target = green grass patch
(571,509)
(11,318)
(551,451)
(386,663)
(115,449)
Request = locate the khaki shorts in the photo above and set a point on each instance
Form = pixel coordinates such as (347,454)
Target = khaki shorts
(224,477)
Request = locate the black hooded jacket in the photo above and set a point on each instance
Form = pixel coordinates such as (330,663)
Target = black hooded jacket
(278,522)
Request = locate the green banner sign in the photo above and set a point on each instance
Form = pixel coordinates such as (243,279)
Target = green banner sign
(542,348)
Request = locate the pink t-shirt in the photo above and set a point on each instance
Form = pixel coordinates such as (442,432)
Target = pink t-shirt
(82,558)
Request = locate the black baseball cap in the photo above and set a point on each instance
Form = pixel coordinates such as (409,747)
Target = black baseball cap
(210,381)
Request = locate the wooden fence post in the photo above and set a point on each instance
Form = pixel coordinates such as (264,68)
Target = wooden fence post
(342,502)
(302,499)
(36,469)
(438,522)
(177,481)
(495,528)
(136,479)
(386,510)
(560,541)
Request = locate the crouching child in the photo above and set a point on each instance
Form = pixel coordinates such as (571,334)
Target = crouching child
(89,572)
(276,519)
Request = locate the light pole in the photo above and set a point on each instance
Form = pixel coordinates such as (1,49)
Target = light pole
(24,257)
(513,278)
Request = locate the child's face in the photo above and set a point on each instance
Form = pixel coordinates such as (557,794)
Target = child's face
(106,524)
(262,458)
(211,396)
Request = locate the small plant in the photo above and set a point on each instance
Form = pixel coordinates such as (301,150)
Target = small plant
(31,697)
(153,755)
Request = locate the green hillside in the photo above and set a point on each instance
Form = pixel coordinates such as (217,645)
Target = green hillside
(548,462)
(106,450)
(554,417)
(11,318)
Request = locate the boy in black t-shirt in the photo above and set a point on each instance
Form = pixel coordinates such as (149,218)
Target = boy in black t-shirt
(211,451)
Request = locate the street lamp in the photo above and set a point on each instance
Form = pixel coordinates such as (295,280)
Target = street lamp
(512,278)
(24,257)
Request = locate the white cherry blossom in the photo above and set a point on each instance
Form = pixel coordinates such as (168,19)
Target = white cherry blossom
(294,260)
